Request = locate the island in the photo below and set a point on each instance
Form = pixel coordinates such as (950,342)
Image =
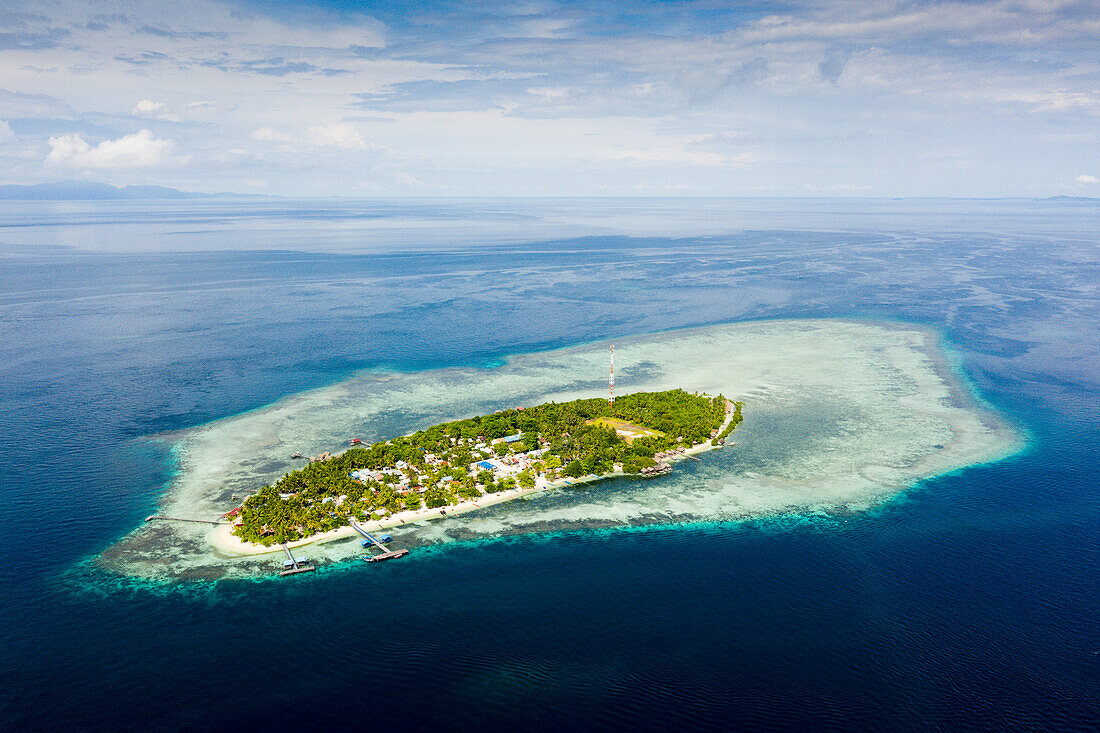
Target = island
(454,464)
(841,416)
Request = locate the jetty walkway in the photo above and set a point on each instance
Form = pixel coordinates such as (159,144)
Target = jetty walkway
(387,553)
(293,565)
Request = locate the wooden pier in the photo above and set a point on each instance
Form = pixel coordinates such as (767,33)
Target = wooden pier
(386,554)
(293,567)
(153,517)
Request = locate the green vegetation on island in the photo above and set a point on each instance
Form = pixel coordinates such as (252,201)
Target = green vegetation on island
(523,447)
(735,420)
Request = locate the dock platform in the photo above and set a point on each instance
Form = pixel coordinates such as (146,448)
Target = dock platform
(294,566)
(369,539)
(388,555)
(296,570)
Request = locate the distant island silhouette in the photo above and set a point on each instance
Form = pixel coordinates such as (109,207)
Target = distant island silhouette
(98,191)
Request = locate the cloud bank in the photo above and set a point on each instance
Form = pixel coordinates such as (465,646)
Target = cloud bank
(898,97)
(140,150)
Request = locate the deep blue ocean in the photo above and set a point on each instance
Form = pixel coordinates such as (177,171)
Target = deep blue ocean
(969,602)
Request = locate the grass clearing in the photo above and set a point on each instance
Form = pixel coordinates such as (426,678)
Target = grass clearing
(628,431)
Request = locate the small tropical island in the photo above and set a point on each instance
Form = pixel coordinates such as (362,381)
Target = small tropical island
(464,464)
(876,408)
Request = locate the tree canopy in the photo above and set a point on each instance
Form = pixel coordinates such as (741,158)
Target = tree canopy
(431,466)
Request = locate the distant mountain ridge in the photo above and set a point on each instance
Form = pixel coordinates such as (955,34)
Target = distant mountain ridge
(91,191)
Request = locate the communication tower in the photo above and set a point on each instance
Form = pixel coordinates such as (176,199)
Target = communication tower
(611,380)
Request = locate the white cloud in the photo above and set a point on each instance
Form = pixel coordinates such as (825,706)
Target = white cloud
(148,107)
(5,132)
(140,150)
(1087,179)
(158,110)
(339,134)
(267,134)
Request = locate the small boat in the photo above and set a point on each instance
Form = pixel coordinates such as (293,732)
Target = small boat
(297,455)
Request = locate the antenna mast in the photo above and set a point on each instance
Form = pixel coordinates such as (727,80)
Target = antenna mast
(611,381)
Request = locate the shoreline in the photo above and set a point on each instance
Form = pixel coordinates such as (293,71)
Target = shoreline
(227,544)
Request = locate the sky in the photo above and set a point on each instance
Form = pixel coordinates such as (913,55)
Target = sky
(469,98)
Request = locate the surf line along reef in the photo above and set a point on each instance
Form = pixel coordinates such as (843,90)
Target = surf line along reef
(474,462)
